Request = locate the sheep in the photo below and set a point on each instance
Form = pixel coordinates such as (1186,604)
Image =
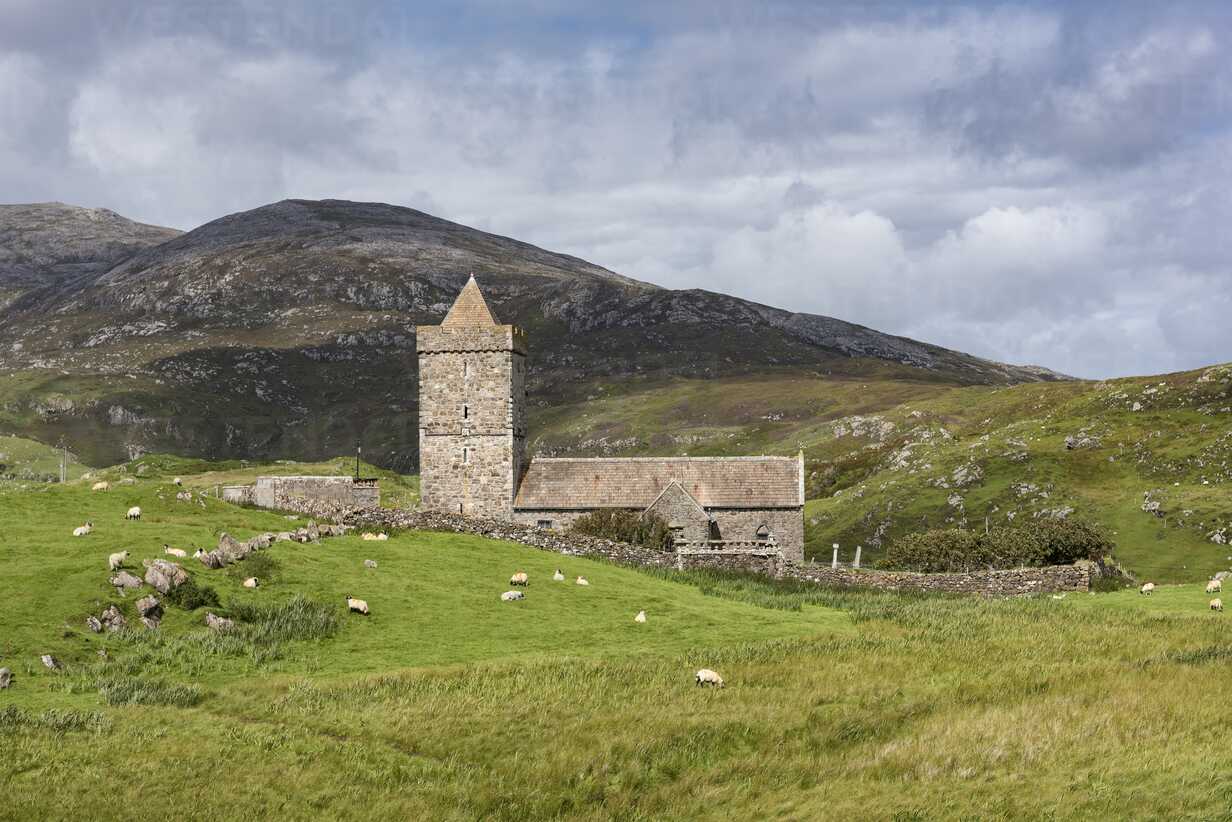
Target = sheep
(133,513)
(370,563)
(520,578)
(708,677)
(370,537)
(558,576)
(511,596)
(582,581)
(82,530)
(1216,604)
(251,582)
(356,606)
(1215,586)
(102,485)
(175,552)
(641,617)
(177,481)
(1147,589)
(116,561)
(200,552)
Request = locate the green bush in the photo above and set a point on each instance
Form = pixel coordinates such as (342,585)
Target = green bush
(258,564)
(1032,544)
(190,596)
(623,525)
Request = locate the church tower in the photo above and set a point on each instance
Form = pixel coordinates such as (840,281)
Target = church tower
(472,410)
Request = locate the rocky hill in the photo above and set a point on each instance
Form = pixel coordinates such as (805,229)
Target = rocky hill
(53,244)
(288,330)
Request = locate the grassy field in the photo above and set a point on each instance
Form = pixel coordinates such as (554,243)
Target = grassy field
(449,704)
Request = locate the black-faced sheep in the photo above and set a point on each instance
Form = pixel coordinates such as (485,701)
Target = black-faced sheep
(116,561)
(370,563)
(1215,586)
(1147,589)
(251,582)
(583,581)
(175,552)
(512,596)
(356,606)
(641,617)
(520,578)
(133,513)
(1216,604)
(558,576)
(82,530)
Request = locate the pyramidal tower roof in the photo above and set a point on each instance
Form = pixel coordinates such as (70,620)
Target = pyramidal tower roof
(470,309)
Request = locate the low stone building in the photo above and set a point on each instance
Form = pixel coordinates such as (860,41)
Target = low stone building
(473,460)
(285,492)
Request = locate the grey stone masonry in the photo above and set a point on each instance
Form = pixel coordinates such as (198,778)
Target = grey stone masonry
(472,411)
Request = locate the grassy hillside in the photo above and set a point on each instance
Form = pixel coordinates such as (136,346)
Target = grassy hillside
(448,704)
(25,459)
(999,455)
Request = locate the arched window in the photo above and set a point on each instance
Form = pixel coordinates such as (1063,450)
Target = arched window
(763,532)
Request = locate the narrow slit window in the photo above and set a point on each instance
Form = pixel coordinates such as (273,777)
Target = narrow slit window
(466,455)
(466,368)
(466,412)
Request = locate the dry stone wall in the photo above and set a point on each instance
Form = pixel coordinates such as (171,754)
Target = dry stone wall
(1012,582)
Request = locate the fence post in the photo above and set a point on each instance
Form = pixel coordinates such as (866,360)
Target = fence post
(834,562)
(857,564)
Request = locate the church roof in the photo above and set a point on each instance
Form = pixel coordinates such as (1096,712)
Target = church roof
(636,482)
(470,309)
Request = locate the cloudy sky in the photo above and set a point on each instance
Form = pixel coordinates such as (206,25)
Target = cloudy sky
(1036,183)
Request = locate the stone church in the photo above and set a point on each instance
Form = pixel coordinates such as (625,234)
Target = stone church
(473,460)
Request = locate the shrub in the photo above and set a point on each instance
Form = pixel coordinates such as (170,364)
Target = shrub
(190,596)
(137,691)
(298,618)
(258,564)
(1032,544)
(623,525)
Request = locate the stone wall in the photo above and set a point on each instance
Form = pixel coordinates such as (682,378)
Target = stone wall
(766,561)
(290,492)
(682,513)
(787,525)
(1012,582)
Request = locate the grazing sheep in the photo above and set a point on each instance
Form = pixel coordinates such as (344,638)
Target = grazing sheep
(558,576)
(1214,587)
(183,496)
(511,596)
(82,530)
(1216,604)
(1147,589)
(133,513)
(116,561)
(356,606)
(251,582)
(177,481)
(370,563)
(101,486)
(641,617)
(175,552)
(520,578)
(582,581)
(708,677)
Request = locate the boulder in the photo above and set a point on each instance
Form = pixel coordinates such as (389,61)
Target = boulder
(283,536)
(93,623)
(150,607)
(125,581)
(6,678)
(162,576)
(214,559)
(313,532)
(231,549)
(50,662)
(217,623)
(113,620)
(151,622)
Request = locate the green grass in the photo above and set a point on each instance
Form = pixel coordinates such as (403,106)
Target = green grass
(448,704)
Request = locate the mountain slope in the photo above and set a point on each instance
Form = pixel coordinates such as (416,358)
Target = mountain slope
(289,331)
(51,244)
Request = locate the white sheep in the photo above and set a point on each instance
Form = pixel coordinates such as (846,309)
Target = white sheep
(1214,587)
(102,485)
(520,578)
(510,596)
(200,552)
(115,561)
(1216,604)
(177,481)
(370,563)
(175,552)
(371,537)
(251,582)
(133,513)
(558,576)
(82,530)
(1147,589)
(708,677)
(582,581)
(356,606)
(641,617)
